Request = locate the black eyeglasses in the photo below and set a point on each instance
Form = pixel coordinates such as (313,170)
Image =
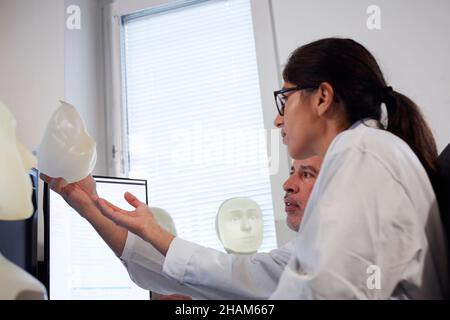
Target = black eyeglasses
(281,98)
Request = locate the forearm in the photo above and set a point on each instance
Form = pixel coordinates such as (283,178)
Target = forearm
(158,237)
(114,235)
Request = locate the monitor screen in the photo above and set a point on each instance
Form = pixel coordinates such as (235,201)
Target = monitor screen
(81,266)
(18,239)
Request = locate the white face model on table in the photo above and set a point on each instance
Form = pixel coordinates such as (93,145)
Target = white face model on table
(240,225)
(164,219)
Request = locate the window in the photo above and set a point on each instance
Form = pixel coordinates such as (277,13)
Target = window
(193,113)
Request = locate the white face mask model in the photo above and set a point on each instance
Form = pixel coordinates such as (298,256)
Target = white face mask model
(240,225)
(67,150)
(15,162)
(15,204)
(164,220)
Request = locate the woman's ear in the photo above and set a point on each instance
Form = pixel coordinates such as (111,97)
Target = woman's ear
(324,98)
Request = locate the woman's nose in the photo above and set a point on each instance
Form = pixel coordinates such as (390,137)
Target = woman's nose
(278,122)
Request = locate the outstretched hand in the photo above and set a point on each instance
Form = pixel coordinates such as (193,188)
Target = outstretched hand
(137,221)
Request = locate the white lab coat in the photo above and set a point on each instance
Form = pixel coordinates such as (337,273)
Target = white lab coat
(372,205)
(204,273)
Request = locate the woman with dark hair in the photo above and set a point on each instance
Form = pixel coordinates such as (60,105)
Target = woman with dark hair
(372,228)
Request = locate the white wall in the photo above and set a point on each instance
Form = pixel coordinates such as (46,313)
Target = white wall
(31,63)
(84,86)
(42,62)
(412,46)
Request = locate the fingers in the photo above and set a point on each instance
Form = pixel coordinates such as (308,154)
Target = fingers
(118,217)
(45,177)
(131,199)
(112,206)
(94,196)
(56,184)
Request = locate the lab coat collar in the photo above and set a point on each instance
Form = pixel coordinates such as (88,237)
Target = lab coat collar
(367,122)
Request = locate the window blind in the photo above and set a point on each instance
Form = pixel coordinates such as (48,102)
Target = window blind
(193,113)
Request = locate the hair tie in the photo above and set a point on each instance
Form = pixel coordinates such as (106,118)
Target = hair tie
(387,95)
(388,89)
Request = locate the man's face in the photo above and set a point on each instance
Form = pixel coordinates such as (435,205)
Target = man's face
(298,188)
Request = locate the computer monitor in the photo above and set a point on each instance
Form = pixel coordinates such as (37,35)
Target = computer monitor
(80,264)
(18,239)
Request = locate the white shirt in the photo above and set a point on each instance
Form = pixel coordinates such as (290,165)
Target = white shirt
(204,273)
(372,205)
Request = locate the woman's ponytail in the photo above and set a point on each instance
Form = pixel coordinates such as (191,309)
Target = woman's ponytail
(407,122)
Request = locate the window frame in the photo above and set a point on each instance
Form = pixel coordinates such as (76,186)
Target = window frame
(269,80)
